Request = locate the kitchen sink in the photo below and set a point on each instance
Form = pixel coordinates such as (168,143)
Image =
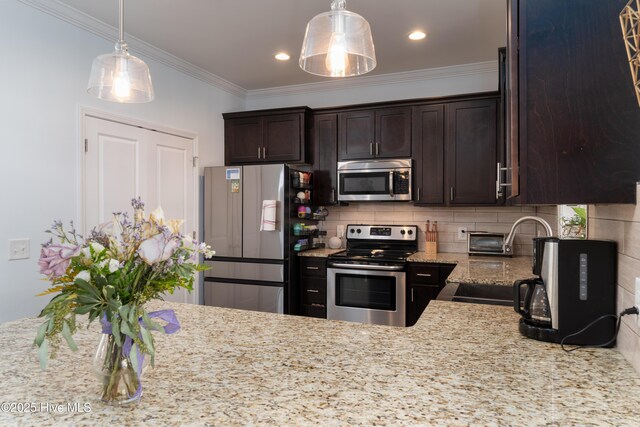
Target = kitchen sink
(477,293)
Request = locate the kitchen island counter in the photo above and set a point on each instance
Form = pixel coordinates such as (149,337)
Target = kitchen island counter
(461,364)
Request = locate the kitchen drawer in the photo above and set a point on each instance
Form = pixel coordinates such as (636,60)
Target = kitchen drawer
(423,274)
(310,266)
(314,290)
(314,310)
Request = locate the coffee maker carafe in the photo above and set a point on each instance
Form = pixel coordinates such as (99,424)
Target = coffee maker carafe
(575,284)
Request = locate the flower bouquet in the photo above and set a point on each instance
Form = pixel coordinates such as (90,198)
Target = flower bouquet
(109,276)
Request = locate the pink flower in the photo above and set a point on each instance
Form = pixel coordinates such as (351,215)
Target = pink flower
(157,248)
(54,259)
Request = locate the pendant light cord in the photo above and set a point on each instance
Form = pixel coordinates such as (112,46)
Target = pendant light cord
(121,21)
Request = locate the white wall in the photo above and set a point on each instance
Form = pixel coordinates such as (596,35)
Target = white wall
(43,76)
(445,81)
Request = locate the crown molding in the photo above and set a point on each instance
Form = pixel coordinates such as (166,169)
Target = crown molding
(88,23)
(487,67)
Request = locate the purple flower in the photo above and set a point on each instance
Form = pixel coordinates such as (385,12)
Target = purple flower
(54,259)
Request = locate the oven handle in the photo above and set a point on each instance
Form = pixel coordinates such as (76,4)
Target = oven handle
(368,267)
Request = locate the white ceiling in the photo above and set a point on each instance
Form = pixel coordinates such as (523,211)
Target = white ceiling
(236,39)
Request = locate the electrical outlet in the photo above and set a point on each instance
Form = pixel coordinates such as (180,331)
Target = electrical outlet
(18,249)
(462,234)
(637,299)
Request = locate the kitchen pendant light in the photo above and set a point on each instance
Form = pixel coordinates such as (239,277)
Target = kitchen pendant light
(119,76)
(338,43)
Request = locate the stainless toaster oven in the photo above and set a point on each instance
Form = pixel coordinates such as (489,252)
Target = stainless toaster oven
(483,243)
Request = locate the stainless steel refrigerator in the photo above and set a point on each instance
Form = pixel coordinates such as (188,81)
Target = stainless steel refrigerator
(250,267)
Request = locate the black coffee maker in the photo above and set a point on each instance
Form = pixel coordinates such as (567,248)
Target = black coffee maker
(574,284)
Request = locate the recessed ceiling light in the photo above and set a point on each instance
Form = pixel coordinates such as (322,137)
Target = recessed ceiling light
(417,35)
(282,56)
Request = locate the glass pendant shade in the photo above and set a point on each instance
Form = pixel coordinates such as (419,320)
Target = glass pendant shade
(120,77)
(338,43)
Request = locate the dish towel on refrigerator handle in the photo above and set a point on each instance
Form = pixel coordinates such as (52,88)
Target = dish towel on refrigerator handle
(268,220)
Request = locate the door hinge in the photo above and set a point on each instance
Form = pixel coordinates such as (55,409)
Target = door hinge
(86,145)
(194,234)
(195,161)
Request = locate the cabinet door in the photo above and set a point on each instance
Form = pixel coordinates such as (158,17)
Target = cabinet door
(428,152)
(471,144)
(325,146)
(578,114)
(393,133)
(356,135)
(283,136)
(418,298)
(243,140)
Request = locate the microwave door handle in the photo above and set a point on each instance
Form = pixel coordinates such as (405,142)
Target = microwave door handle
(391,183)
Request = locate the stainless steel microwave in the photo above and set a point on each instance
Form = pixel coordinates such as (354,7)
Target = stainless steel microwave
(374,180)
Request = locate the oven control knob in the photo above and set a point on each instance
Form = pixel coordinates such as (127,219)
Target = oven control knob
(410,232)
(359,231)
(352,231)
(402,232)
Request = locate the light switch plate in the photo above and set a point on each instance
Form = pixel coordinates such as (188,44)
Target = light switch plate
(19,249)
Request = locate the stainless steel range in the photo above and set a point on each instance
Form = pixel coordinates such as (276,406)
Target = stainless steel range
(367,282)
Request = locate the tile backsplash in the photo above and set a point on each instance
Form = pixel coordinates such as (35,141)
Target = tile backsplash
(622,224)
(493,219)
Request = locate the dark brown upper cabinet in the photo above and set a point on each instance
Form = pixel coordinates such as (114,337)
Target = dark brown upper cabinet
(268,136)
(428,150)
(471,152)
(573,121)
(455,146)
(324,138)
(382,133)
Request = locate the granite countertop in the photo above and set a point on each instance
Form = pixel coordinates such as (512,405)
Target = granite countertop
(461,364)
(483,270)
(320,253)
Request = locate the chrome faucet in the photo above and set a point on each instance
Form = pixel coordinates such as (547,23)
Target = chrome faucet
(508,242)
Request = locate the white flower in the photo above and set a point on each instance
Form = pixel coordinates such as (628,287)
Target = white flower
(84,275)
(97,247)
(157,248)
(86,252)
(114,265)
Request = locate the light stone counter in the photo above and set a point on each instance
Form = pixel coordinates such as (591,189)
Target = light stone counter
(483,270)
(320,253)
(462,364)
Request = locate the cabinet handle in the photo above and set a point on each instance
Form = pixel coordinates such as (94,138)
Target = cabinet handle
(317,305)
(424,274)
(313,268)
(451,193)
(258,152)
(264,153)
(391,183)
(371,148)
(418,194)
(313,291)
(499,183)
(333,195)
(411,294)
(377,148)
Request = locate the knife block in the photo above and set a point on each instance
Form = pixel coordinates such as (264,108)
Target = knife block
(431,248)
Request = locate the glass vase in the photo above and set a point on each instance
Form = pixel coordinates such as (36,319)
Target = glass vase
(119,382)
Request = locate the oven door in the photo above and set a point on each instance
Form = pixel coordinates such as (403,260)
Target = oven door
(366,294)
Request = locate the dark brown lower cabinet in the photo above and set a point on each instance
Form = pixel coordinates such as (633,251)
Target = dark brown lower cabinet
(424,283)
(313,287)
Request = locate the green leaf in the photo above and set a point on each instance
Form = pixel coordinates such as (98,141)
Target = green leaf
(66,333)
(115,331)
(147,339)
(124,311)
(42,330)
(133,356)
(133,316)
(125,329)
(149,323)
(86,287)
(43,354)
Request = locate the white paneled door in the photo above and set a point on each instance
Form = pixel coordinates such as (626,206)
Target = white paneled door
(124,161)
